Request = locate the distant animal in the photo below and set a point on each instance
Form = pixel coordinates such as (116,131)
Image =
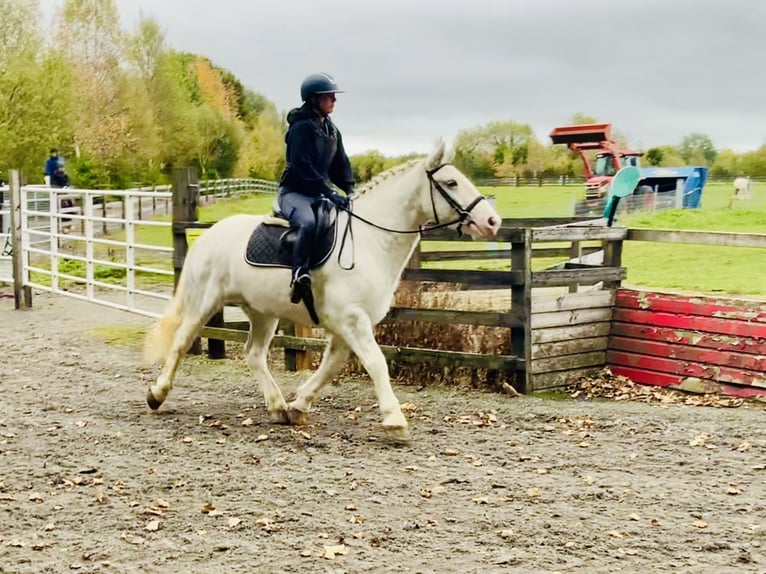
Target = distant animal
(742,188)
(349,299)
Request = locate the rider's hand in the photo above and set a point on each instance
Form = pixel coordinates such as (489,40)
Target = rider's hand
(340,201)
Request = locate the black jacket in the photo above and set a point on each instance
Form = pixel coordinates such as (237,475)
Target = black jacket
(315,154)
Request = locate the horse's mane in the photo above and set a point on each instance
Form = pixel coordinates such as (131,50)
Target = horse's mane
(396,170)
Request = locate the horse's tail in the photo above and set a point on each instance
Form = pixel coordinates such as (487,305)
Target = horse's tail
(160,338)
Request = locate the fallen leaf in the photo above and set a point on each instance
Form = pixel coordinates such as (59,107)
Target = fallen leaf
(505,533)
(36,497)
(481,500)
(744,447)
(100,496)
(733,490)
(208,508)
(699,524)
(635,517)
(162,503)
(534,492)
(247,422)
(261,438)
(152,526)
(450,452)
(232,522)
(699,440)
(330,552)
(305,553)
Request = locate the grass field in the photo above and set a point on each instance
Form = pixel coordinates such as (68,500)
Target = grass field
(707,269)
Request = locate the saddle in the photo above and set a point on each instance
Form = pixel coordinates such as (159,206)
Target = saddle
(271,242)
(271,245)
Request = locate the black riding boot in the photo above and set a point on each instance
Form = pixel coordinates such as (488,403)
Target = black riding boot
(301,280)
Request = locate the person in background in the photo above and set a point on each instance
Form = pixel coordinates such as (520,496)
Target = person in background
(315,159)
(61,179)
(51,165)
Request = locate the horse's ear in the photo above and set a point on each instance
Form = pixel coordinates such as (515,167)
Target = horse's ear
(437,156)
(449,155)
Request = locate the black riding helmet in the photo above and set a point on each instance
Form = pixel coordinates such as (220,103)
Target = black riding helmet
(318,84)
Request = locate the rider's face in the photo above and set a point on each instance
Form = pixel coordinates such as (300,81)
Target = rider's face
(326,103)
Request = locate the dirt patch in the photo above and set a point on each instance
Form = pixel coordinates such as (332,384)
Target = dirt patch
(92,482)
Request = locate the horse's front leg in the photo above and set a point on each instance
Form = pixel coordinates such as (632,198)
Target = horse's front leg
(359,336)
(334,356)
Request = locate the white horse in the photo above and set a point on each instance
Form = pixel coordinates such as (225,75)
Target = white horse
(349,302)
(742,188)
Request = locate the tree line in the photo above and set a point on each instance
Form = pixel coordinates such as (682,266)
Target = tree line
(124,108)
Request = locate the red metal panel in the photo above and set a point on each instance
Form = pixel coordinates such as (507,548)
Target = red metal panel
(691,322)
(668,380)
(687,369)
(689,337)
(684,305)
(689,353)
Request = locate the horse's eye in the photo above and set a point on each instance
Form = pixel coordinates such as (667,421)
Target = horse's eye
(451,183)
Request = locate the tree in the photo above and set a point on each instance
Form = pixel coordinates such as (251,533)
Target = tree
(92,43)
(697,149)
(502,145)
(34,98)
(654,156)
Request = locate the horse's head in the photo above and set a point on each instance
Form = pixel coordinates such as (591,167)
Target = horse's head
(455,198)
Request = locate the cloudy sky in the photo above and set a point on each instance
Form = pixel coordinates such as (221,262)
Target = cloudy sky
(414,70)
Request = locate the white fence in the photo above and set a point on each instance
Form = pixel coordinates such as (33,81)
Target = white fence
(109,247)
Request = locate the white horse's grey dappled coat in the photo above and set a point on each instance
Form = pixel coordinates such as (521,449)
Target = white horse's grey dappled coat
(348,302)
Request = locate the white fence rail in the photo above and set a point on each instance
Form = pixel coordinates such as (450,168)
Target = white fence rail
(108,247)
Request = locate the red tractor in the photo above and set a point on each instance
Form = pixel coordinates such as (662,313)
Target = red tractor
(608,159)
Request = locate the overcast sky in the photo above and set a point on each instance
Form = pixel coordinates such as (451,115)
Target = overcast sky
(414,70)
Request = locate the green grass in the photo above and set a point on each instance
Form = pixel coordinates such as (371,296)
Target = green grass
(708,269)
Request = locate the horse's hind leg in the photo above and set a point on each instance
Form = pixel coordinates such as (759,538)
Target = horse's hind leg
(334,356)
(262,329)
(182,340)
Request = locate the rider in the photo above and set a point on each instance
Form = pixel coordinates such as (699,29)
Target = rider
(315,158)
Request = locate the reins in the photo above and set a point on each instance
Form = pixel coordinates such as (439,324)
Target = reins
(463,214)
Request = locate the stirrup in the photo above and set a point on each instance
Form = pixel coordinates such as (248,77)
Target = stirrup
(301,285)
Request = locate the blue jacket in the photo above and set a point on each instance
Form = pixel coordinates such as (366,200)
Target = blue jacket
(315,155)
(51,165)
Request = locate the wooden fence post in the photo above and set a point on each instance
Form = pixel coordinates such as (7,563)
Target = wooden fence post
(20,291)
(612,258)
(521,305)
(185,192)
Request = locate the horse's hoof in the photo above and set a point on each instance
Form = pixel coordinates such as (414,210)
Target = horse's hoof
(279,417)
(397,434)
(152,401)
(297,418)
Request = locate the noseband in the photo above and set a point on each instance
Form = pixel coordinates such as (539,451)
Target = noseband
(462,212)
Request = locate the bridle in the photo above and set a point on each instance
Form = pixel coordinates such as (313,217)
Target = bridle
(463,213)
